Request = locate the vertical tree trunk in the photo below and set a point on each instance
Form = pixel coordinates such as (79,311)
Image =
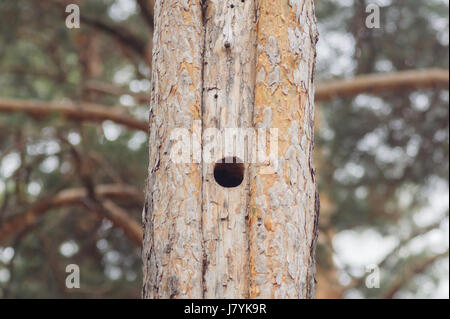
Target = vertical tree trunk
(283,213)
(173,245)
(229,82)
(231,64)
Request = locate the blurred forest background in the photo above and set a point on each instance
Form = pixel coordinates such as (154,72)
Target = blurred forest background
(73,148)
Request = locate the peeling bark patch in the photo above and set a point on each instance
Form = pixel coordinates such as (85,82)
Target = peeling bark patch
(272,51)
(297,6)
(274,78)
(296,40)
(261,76)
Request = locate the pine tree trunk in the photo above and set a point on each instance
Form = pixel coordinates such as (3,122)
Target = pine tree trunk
(223,64)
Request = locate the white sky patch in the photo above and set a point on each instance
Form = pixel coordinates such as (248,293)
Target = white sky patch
(330,42)
(436,241)
(9,165)
(326,132)
(373,103)
(346,3)
(127,100)
(144,69)
(355,170)
(350,172)
(384,66)
(141,113)
(137,86)
(386,154)
(442,291)
(49,164)
(420,101)
(427,288)
(441,135)
(6,254)
(440,24)
(361,192)
(438,195)
(371,140)
(34,188)
(52,147)
(65,168)
(102,245)
(445,95)
(113,272)
(48,147)
(137,140)
(344,279)
(4,275)
(357,249)
(405,197)
(69,248)
(353,294)
(111,130)
(382,3)
(122,9)
(112,257)
(124,75)
(74,138)
(412,148)
(362,248)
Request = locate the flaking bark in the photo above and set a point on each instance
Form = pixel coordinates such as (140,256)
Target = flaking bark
(173,248)
(232,64)
(283,216)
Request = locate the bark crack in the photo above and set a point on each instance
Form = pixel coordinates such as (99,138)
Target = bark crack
(204,4)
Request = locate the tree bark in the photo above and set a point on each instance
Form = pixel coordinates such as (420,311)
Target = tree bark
(283,209)
(229,78)
(224,64)
(173,244)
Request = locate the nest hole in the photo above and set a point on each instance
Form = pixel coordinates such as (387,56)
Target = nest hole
(229,172)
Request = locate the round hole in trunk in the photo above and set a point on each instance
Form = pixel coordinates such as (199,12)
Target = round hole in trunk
(229,172)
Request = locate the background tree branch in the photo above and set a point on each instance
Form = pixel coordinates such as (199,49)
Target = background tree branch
(76,196)
(383,82)
(81,112)
(408,274)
